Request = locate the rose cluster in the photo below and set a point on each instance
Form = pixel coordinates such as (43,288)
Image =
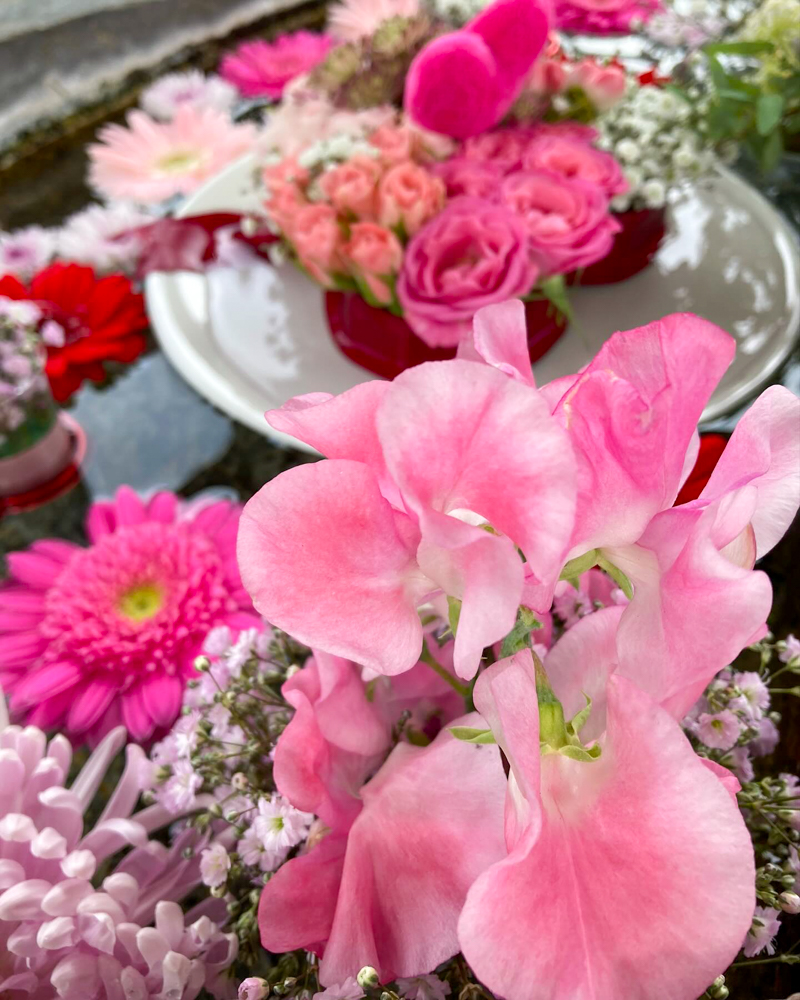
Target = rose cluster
(439,238)
(462,491)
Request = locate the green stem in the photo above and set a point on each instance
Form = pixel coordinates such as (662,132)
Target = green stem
(427,657)
(795,691)
(784,959)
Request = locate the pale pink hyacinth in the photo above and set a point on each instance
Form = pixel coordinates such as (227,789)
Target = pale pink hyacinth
(263,69)
(91,637)
(192,88)
(350,20)
(102,236)
(26,251)
(147,161)
(63,936)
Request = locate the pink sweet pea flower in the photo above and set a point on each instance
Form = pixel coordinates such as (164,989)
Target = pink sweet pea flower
(560,915)
(393,516)
(356,899)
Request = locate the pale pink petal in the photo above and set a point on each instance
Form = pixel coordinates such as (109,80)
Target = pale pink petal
(561,917)
(340,426)
(412,854)
(631,416)
(453,431)
(764,452)
(499,338)
(683,578)
(322,537)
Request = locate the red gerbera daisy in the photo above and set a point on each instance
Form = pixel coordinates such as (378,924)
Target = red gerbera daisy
(101,320)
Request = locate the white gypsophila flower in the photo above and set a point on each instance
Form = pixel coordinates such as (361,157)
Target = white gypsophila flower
(215,863)
(627,151)
(175,90)
(279,825)
(654,193)
(26,251)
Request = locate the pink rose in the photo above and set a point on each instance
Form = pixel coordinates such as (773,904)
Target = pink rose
(548,76)
(315,234)
(473,178)
(262,69)
(473,253)
(373,255)
(568,221)
(395,143)
(603,85)
(569,156)
(602,17)
(352,187)
(283,194)
(409,195)
(503,147)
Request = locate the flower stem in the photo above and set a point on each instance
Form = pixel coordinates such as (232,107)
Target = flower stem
(427,657)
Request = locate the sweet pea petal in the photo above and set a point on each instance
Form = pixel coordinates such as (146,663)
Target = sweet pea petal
(500,338)
(631,416)
(321,554)
(561,917)
(764,452)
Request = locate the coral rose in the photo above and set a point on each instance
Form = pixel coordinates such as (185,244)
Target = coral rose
(352,187)
(409,195)
(373,254)
(314,231)
(472,254)
(396,144)
(603,85)
(568,221)
(503,147)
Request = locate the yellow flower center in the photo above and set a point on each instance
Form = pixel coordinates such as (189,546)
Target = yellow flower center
(142,602)
(179,160)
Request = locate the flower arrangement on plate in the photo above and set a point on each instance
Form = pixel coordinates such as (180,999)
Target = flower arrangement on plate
(513,667)
(414,199)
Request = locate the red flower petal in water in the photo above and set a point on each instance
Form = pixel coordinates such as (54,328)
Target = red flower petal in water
(102,320)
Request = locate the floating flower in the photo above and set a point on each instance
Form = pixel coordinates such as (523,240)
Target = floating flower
(65,934)
(91,636)
(350,20)
(191,89)
(26,251)
(147,161)
(262,69)
(88,320)
(101,236)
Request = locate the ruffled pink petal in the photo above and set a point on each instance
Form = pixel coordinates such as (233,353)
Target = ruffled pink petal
(20,648)
(298,903)
(684,578)
(56,549)
(764,452)
(412,854)
(322,536)
(561,916)
(499,338)
(340,426)
(631,416)
(451,432)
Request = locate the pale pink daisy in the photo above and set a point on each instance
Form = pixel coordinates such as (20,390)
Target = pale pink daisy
(26,251)
(91,637)
(263,69)
(147,161)
(719,731)
(353,19)
(194,89)
(103,237)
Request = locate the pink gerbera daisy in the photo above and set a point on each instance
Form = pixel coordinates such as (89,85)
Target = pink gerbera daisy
(91,637)
(147,161)
(263,69)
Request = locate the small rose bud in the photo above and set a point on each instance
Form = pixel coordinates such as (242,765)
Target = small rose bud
(368,978)
(790,902)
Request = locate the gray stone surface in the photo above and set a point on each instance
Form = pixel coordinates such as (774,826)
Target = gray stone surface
(85,52)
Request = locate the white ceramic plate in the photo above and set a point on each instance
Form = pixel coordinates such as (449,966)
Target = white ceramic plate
(249,340)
